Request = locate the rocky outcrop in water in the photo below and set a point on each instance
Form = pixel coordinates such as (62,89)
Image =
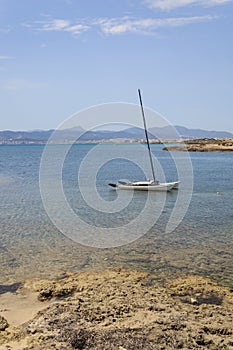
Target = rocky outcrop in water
(203,145)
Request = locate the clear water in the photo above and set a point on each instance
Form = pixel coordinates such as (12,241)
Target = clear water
(31,246)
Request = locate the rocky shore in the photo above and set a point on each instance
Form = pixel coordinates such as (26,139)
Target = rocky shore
(203,145)
(122,310)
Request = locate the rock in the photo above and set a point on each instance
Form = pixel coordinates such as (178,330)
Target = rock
(3,324)
(203,145)
(193,301)
(127,309)
(50,291)
(45,294)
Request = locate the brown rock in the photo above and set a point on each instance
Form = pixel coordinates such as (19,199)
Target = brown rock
(113,310)
(3,324)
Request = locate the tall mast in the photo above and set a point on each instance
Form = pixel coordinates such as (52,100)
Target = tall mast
(146,133)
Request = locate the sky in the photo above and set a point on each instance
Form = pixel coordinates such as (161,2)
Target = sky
(59,57)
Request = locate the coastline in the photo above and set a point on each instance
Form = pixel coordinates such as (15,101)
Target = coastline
(190,145)
(118,309)
(203,145)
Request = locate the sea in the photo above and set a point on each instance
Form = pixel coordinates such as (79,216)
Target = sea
(40,239)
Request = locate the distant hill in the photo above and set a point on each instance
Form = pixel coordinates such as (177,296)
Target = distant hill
(199,133)
(68,135)
(167,132)
(8,135)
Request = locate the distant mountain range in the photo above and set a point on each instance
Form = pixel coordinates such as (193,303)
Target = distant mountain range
(185,133)
(68,135)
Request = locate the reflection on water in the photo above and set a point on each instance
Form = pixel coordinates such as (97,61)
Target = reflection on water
(30,245)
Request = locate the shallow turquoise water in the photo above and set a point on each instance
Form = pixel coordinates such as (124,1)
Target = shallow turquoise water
(30,245)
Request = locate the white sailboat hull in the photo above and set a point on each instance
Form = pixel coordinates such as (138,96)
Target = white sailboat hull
(146,186)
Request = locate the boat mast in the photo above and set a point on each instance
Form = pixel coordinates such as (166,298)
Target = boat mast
(146,133)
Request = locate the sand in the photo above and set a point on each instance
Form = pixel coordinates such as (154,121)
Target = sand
(18,308)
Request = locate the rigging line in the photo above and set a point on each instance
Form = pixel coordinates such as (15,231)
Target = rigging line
(146,133)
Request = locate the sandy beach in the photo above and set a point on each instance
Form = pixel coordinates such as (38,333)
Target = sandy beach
(117,309)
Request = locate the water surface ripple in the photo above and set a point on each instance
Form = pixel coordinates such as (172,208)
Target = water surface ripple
(30,245)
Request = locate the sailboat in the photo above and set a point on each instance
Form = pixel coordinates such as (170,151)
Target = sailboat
(149,185)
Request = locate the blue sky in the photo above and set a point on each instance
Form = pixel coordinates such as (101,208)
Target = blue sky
(57,57)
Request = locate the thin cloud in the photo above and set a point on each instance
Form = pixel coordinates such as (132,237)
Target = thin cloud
(56,24)
(126,24)
(18,85)
(53,24)
(172,4)
(5,57)
(77,29)
(114,26)
(5,30)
